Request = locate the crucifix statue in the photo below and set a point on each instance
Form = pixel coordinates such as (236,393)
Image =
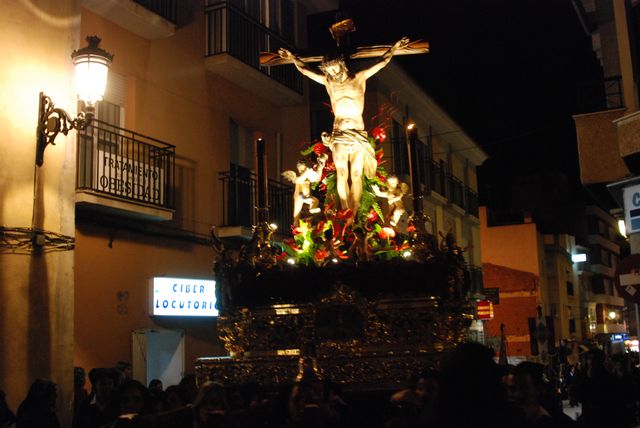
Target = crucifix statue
(348,141)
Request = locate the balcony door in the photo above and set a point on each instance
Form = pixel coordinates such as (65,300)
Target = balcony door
(241,204)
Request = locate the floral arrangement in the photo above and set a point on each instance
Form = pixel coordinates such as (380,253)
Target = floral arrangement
(336,235)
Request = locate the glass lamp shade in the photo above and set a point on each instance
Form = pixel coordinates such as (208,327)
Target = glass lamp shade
(91,70)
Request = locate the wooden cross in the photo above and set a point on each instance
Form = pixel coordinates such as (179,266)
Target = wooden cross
(338,31)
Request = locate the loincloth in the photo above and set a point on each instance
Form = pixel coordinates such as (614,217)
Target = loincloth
(352,140)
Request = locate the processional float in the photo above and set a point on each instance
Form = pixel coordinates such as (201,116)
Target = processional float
(360,296)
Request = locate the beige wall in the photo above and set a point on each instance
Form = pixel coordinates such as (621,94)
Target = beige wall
(36,296)
(169,96)
(113,271)
(515,246)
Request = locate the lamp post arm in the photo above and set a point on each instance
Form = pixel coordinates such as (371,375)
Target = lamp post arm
(52,121)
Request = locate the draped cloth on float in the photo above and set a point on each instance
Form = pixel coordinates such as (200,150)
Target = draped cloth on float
(352,140)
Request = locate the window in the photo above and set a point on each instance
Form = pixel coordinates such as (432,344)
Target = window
(572,325)
(241,145)
(400,154)
(569,288)
(597,284)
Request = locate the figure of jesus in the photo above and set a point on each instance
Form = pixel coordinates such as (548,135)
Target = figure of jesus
(348,141)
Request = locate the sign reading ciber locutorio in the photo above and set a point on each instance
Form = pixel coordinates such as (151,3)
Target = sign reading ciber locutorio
(183,297)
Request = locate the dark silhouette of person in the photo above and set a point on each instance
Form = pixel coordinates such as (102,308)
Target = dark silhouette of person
(210,408)
(7,418)
(530,398)
(472,394)
(598,390)
(94,411)
(38,410)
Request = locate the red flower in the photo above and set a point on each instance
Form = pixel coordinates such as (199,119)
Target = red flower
(319,227)
(372,216)
(341,254)
(381,177)
(402,247)
(320,255)
(411,228)
(379,156)
(296,230)
(319,148)
(379,134)
(281,256)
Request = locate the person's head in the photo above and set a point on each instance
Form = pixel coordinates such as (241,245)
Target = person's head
(41,397)
(301,166)
(595,359)
(392,181)
(103,382)
(427,386)
(335,69)
(126,368)
(79,377)
(133,397)
(177,396)
(155,385)
(210,402)
(189,382)
(529,382)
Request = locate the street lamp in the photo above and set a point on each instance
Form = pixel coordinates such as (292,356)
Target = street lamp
(612,315)
(91,69)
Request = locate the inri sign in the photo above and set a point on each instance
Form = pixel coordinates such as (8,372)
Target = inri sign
(183,297)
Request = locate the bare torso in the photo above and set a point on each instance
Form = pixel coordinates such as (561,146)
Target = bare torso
(347,102)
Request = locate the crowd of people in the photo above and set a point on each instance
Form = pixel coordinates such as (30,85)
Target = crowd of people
(469,389)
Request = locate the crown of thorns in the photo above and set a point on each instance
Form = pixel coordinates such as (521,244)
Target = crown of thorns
(326,62)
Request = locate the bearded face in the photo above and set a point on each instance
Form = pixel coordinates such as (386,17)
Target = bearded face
(335,70)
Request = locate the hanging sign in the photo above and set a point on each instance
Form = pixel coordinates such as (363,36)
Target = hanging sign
(628,278)
(485,310)
(631,196)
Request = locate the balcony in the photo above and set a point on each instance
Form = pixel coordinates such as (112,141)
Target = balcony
(449,188)
(124,173)
(234,43)
(239,201)
(150,19)
(168,9)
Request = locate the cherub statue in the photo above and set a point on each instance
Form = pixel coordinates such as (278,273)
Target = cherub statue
(302,192)
(394,194)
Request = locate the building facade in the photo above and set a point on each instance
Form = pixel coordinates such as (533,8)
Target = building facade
(170,154)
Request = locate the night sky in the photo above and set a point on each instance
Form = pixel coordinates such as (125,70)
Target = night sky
(511,73)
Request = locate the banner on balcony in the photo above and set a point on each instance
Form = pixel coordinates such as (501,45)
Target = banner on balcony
(121,176)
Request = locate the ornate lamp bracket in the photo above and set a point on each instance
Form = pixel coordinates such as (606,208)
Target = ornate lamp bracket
(52,121)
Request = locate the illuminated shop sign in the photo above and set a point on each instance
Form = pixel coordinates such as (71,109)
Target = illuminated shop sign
(183,297)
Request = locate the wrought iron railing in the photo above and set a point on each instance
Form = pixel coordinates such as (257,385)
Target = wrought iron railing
(239,200)
(231,31)
(613,92)
(120,163)
(168,9)
(455,191)
(435,177)
(471,201)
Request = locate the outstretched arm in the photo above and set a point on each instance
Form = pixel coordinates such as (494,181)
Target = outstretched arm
(301,66)
(403,42)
